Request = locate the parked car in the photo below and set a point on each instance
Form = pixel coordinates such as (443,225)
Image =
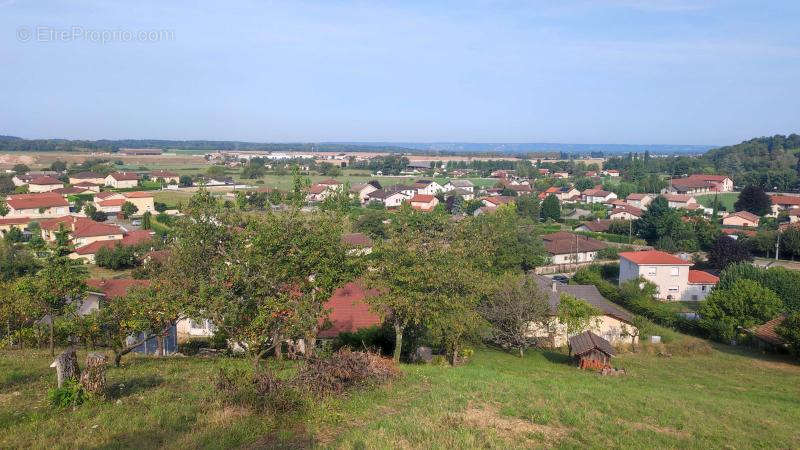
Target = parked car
(561,279)
(136,222)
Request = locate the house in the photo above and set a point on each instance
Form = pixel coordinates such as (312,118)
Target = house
(520,189)
(568,248)
(19,223)
(597,196)
(466,195)
(44,184)
(544,171)
(552,190)
(318,192)
(495,202)
(612,172)
(794,215)
(424,202)
(566,194)
(594,226)
(111,202)
(418,166)
(428,187)
(168,177)
(669,273)
(562,175)
(391,197)
(37,206)
(89,251)
(87,177)
(784,203)
(358,244)
(614,324)
(459,184)
(590,351)
(741,219)
(23,179)
(89,186)
(638,200)
(331,183)
(700,183)
(362,191)
(699,285)
(87,231)
(680,201)
(766,336)
(122,180)
(348,311)
(626,212)
(73,190)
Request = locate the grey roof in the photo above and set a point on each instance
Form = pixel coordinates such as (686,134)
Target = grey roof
(588,341)
(420,164)
(461,183)
(587,293)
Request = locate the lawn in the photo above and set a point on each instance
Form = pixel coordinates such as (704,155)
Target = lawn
(726,199)
(730,398)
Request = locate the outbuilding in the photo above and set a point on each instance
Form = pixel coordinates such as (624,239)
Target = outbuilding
(590,351)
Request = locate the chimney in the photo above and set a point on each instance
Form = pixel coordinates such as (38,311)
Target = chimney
(555,286)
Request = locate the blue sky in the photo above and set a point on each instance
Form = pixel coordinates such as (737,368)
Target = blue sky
(593,71)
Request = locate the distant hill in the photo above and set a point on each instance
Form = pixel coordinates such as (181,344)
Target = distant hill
(538,147)
(777,152)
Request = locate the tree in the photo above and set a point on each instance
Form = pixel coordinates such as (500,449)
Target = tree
(528,206)
(216,171)
(575,314)
(622,227)
(515,305)
(146,217)
(790,242)
(3,209)
(371,224)
(20,169)
(789,330)
(753,199)
(745,304)
(160,207)
(185,181)
(51,288)
(6,185)
(58,166)
(253,171)
(582,184)
(129,209)
(551,208)
(726,251)
(784,282)
(89,209)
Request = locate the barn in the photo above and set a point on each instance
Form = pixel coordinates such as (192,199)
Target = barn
(590,351)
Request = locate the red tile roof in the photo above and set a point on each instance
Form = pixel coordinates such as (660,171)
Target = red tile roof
(317,188)
(678,198)
(563,243)
(767,333)
(330,181)
(785,199)
(134,238)
(162,174)
(349,311)
(86,184)
(124,176)
(113,202)
(137,237)
(653,257)
(499,200)
(68,221)
(91,228)
(106,194)
(15,221)
(422,198)
(33,201)
(69,190)
(701,277)
(114,288)
(733,231)
(628,209)
(86,175)
(138,194)
(357,240)
(746,215)
(636,196)
(45,181)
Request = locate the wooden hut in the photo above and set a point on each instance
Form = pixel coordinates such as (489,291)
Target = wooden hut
(590,351)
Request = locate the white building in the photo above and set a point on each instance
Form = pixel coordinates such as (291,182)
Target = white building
(670,274)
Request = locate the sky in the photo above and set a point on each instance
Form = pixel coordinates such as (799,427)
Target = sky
(709,72)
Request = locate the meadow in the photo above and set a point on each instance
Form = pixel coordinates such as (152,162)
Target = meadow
(726,199)
(729,398)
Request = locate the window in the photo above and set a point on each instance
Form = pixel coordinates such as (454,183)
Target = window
(703,288)
(673,288)
(694,297)
(674,271)
(651,270)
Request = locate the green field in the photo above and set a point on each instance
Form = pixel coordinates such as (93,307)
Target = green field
(726,199)
(730,398)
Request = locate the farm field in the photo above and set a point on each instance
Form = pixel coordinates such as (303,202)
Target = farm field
(730,398)
(726,199)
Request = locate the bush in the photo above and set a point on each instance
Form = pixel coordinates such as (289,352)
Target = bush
(789,330)
(727,311)
(374,338)
(71,394)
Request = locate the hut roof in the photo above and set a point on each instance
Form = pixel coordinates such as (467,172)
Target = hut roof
(587,341)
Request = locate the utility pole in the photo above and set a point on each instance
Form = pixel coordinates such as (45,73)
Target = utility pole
(777,246)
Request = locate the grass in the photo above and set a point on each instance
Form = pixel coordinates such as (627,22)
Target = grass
(730,398)
(726,199)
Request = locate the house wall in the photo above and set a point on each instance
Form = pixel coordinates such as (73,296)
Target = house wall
(570,258)
(696,292)
(144,204)
(36,188)
(188,328)
(610,328)
(672,281)
(88,258)
(80,242)
(85,180)
(121,184)
(623,215)
(738,221)
(395,200)
(56,211)
(364,192)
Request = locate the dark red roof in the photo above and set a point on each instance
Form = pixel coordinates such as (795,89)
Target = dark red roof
(137,194)
(45,181)
(349,311)
(113,202)
(114,288)
(766,332)
(91,228)
(422,198)
(701,277)
(32,201)
(15,221)
(357,239)
(654,257)
(120,176)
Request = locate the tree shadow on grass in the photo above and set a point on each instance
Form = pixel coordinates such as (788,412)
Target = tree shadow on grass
(17,378)
(750,352)
(556,357)
(133,385)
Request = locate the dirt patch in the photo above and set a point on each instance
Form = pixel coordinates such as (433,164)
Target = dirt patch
(639,426)
(516,429)
(227,415)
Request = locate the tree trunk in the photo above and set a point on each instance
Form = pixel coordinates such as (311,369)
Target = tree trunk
(311,342)
(52,340)
(93,379)
(454,356)
(521,354)
(276,341)
(160,345)
(66,365)
(398,341)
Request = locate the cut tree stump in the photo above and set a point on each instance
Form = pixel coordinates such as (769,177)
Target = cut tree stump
(66,365)
(93,379)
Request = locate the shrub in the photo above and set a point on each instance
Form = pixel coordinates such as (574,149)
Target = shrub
(69,395)
(744,305)
(789,330)
(373,338)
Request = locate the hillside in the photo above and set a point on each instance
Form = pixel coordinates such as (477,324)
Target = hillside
(760,159)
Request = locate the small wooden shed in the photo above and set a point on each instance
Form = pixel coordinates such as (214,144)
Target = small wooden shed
(590,351)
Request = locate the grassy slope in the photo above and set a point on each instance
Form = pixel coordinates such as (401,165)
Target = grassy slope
(729,398)
(726,199)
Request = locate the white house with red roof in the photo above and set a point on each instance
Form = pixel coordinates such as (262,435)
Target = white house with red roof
(44,184)
(639,200)
(87,177)
(16,222)
(37,206)
(680,201)
(496,201)
(668,272)
(741,219)
(122,180)
(597,196)
(625,212)
(699,285)
(784,203)
(111,202)
(89,251)
(422,202)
